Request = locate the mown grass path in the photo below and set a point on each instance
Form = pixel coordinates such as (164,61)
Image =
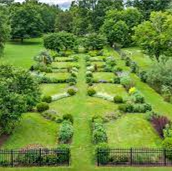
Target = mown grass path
(81,146)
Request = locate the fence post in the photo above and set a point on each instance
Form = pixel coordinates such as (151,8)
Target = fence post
(40,157)
(12,164)
(98,154)
(68,153)
(131,156)
(165,161)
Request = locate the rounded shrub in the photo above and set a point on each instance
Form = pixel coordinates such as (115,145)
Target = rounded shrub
(118,99)
(104,156)
(47,99)
(68,117)
(91,91)
(71,91)
(41,107)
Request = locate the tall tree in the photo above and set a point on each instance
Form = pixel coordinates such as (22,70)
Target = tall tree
(148,6)
(26,21)
(118,25)
(64,21)
(19,92)
(155,36)
(7,2)
(4,28)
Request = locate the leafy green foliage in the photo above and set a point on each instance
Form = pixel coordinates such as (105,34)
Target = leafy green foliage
(160,76)
(95,42)
(155,36)
(91,91)
(68,117)
(60,41)
(47,99)
(65,132)
(118,25)
(72,91)
(41,107)
(146,7)
(19,92)
(118,99)
(99,132)
(4,28)
(26,21)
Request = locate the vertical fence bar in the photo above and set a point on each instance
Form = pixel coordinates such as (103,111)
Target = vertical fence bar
(12,164)
(40,157)
(165,160)
(131,156)
(98,160)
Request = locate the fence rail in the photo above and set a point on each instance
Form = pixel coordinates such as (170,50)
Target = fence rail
(34,157)
(134,157)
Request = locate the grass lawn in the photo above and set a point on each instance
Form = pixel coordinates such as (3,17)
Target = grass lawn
(139,57)
(33,129)
(103,76)
(99,64)
(21,55)
(63,64)
(132,130)
(51,89)
(112,89)
(58,75)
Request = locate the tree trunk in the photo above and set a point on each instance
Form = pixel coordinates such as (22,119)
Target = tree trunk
(22,40)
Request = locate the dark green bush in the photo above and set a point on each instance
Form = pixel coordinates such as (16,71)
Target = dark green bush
(118,99)
(167,144)
(116,80)
(91,91)
(68,117)
(71,91)
(143,76)
(41,107)
(104,156)
(47,99)
(128,61)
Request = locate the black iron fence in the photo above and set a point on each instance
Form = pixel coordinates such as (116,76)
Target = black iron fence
(36,157)
(134,157)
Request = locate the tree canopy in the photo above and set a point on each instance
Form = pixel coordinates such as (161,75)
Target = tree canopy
(19,92)
(155,36)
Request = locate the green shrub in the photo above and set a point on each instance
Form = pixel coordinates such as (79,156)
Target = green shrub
(71,91)
(63,157)
(99,132)
(143,76)
(127,82)
(91,91)
(126,108)
(41,107)
(118,99)
(119,159)
(68,117)
(167,144)
(65,132)
(47,99)
(127,61)
(116,80)
(89,79)
(137,97)
(134,67)
(103,153)
(97,118)
(89,74)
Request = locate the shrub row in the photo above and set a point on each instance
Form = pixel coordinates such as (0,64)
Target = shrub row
(99,132)
(65,132)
